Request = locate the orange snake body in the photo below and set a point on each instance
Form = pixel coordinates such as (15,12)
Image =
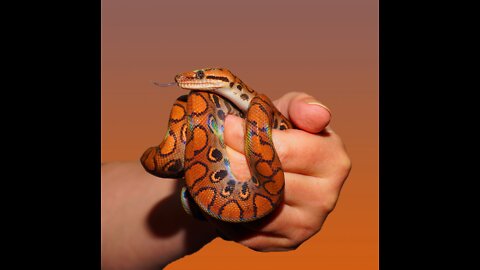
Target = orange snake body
(194,147)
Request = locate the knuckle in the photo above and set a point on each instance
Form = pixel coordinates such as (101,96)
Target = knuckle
(302,234)
(325,205)
(329,205)
(344,160)
(343,163)
(346,164)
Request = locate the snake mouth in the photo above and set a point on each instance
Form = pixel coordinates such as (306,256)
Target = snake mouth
(197,84)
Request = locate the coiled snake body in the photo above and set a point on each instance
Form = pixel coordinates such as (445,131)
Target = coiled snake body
(194,147)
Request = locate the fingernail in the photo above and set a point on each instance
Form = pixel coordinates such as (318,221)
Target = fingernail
(312,101)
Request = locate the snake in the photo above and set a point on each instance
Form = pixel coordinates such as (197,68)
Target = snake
(194,149)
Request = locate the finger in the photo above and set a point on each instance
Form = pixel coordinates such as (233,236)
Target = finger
(305,112)
(234,132)
(307,201)
(299,188)
(252,238)
(314,155)
(267,243)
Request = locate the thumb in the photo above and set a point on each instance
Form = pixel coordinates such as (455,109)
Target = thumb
(307,113)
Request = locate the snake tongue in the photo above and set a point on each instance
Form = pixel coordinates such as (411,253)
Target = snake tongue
(164,84)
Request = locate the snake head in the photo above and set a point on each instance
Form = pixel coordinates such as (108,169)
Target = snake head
(219,81)
(207,79)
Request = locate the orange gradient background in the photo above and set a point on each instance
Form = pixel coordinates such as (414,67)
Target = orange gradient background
(328,49)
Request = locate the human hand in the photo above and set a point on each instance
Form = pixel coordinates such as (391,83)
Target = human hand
(315,164)
(145,212)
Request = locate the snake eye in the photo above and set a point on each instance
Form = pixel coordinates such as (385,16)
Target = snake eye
(200,74)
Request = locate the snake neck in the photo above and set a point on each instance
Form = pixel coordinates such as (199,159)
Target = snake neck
(239,98)
(220,81)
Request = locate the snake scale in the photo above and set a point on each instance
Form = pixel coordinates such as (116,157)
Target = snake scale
(194,147)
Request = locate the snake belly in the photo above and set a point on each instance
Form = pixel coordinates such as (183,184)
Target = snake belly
(194,149)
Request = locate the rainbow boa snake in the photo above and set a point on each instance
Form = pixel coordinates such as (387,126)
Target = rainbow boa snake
(194,147)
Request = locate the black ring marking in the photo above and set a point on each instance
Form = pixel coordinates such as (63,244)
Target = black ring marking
(220,211)
(268,113)
(221,115)
(255,181)
(198,151)
(212,202)
(218,176)
(206,104)
(214,155)
(183,98)
(145,157)
(245,192)
(262,142)
(268,163)
(199,178)
(171,120)
(215,100)
(157,149)
(228,189)
(227,104)
(255,204)
(173,166)
(172,134)
(271,193)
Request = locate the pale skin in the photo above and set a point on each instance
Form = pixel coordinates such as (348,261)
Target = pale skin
(145,227)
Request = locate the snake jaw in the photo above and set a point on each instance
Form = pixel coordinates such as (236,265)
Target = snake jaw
(192,83)
(199,85)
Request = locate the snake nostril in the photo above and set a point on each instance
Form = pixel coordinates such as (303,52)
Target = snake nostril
(177,78)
